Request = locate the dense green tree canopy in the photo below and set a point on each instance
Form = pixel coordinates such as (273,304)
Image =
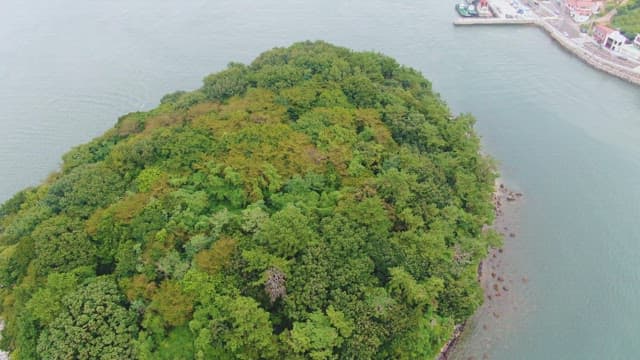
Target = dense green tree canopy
(627,18)
(318,203)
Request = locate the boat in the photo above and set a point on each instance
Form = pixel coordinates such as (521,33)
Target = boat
(463,10)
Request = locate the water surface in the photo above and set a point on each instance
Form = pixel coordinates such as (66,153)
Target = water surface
(566,135)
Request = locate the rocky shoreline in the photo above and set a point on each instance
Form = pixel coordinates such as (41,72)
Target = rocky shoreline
(4,355)
(445,352)
(492,282)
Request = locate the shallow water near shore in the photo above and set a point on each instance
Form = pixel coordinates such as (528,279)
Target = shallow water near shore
(566,135)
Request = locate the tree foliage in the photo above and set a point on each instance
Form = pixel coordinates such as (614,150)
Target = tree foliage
(93,324)
(317,203)
(627,19)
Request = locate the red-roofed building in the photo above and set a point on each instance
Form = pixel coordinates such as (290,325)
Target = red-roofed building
(601,32)
(581,10)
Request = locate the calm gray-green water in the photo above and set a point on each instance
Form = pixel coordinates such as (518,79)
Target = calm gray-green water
(565,134)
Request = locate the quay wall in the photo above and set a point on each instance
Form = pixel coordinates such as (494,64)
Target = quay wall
(577,50)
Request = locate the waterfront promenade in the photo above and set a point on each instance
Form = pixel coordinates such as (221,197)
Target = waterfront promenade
(581,45)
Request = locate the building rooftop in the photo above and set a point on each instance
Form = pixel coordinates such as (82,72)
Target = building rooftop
(604,29)
(581,4)
(618,37)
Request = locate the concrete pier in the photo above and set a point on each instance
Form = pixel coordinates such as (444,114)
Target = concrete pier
(492,21)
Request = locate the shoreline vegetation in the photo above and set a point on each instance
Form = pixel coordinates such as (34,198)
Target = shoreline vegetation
(315,203)
(489,275)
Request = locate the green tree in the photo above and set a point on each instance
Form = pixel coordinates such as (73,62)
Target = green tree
(226,84)
(317,203)
(61,244)
(286,233)
(233,328)
(94,324)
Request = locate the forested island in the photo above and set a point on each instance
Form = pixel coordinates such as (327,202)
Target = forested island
(318,203)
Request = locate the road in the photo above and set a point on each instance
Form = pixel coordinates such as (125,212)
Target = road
(606,18)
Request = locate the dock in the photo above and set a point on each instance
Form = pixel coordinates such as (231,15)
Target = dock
(492,21)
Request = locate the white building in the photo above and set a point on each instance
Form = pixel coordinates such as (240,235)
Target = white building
(614,41)
(617,43)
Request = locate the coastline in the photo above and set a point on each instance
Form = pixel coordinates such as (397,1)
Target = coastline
(580,52)
(587,57)
(489,276)
(4,355)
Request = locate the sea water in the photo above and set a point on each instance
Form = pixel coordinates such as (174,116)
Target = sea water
(564,134)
